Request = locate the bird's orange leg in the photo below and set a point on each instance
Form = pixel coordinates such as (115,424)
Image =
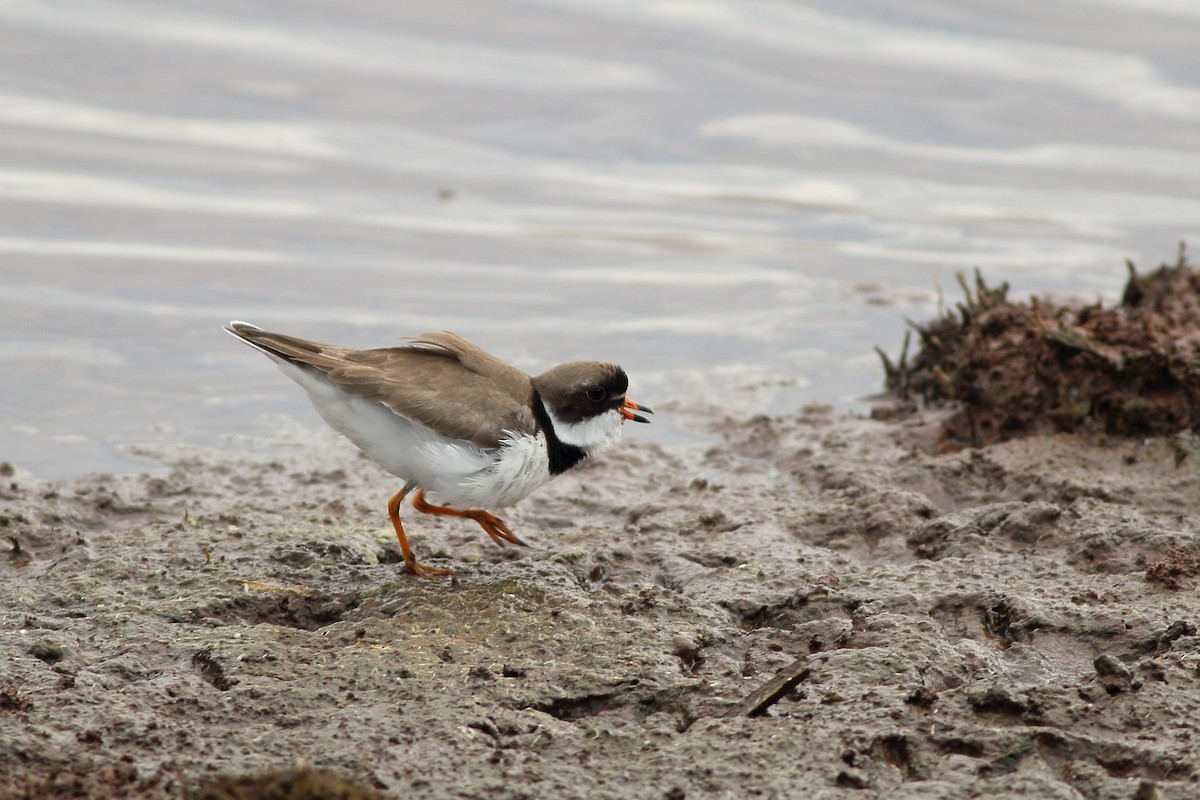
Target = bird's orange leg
(492,525)
(410,561)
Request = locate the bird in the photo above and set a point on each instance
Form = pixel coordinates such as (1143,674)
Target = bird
(453,421)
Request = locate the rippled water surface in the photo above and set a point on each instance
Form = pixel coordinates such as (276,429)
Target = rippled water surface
(736,199)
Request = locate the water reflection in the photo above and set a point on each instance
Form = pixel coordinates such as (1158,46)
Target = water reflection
(737,199)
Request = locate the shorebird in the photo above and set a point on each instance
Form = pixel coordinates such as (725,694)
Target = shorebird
(452,421)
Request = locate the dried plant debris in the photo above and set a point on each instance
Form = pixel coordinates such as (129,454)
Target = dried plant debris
(1003,369)
(1172,570)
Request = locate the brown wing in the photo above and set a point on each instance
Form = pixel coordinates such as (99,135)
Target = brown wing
(438,379)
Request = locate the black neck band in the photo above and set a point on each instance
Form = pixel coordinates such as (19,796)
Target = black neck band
(562,456)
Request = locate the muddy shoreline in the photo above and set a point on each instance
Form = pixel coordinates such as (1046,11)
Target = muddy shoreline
(991,622)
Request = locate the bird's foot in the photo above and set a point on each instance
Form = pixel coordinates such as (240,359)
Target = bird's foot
(422,571)
(494,527)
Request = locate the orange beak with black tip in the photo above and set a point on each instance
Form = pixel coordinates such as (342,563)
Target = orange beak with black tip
(628,409)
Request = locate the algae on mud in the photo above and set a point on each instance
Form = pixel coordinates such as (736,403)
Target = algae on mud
(293,783)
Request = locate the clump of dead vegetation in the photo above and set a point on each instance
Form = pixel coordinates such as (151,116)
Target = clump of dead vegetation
(1004,369)
(1172,570)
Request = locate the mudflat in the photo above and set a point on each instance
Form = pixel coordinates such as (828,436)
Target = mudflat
(812,606)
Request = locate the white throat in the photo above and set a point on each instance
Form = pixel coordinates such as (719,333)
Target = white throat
(593,434)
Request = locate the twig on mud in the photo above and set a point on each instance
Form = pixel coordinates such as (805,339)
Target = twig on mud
(765,696)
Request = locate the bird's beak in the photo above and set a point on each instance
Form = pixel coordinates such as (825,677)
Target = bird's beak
(629,407)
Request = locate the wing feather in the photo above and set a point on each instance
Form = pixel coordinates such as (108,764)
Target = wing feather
(438,379)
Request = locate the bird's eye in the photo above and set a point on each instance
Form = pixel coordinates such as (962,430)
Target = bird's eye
(594,393)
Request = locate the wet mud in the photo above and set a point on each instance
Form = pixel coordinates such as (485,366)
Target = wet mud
(812,606)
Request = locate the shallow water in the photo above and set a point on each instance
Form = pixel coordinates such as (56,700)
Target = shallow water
(736,199)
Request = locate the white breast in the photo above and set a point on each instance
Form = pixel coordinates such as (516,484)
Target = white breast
(520,466)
